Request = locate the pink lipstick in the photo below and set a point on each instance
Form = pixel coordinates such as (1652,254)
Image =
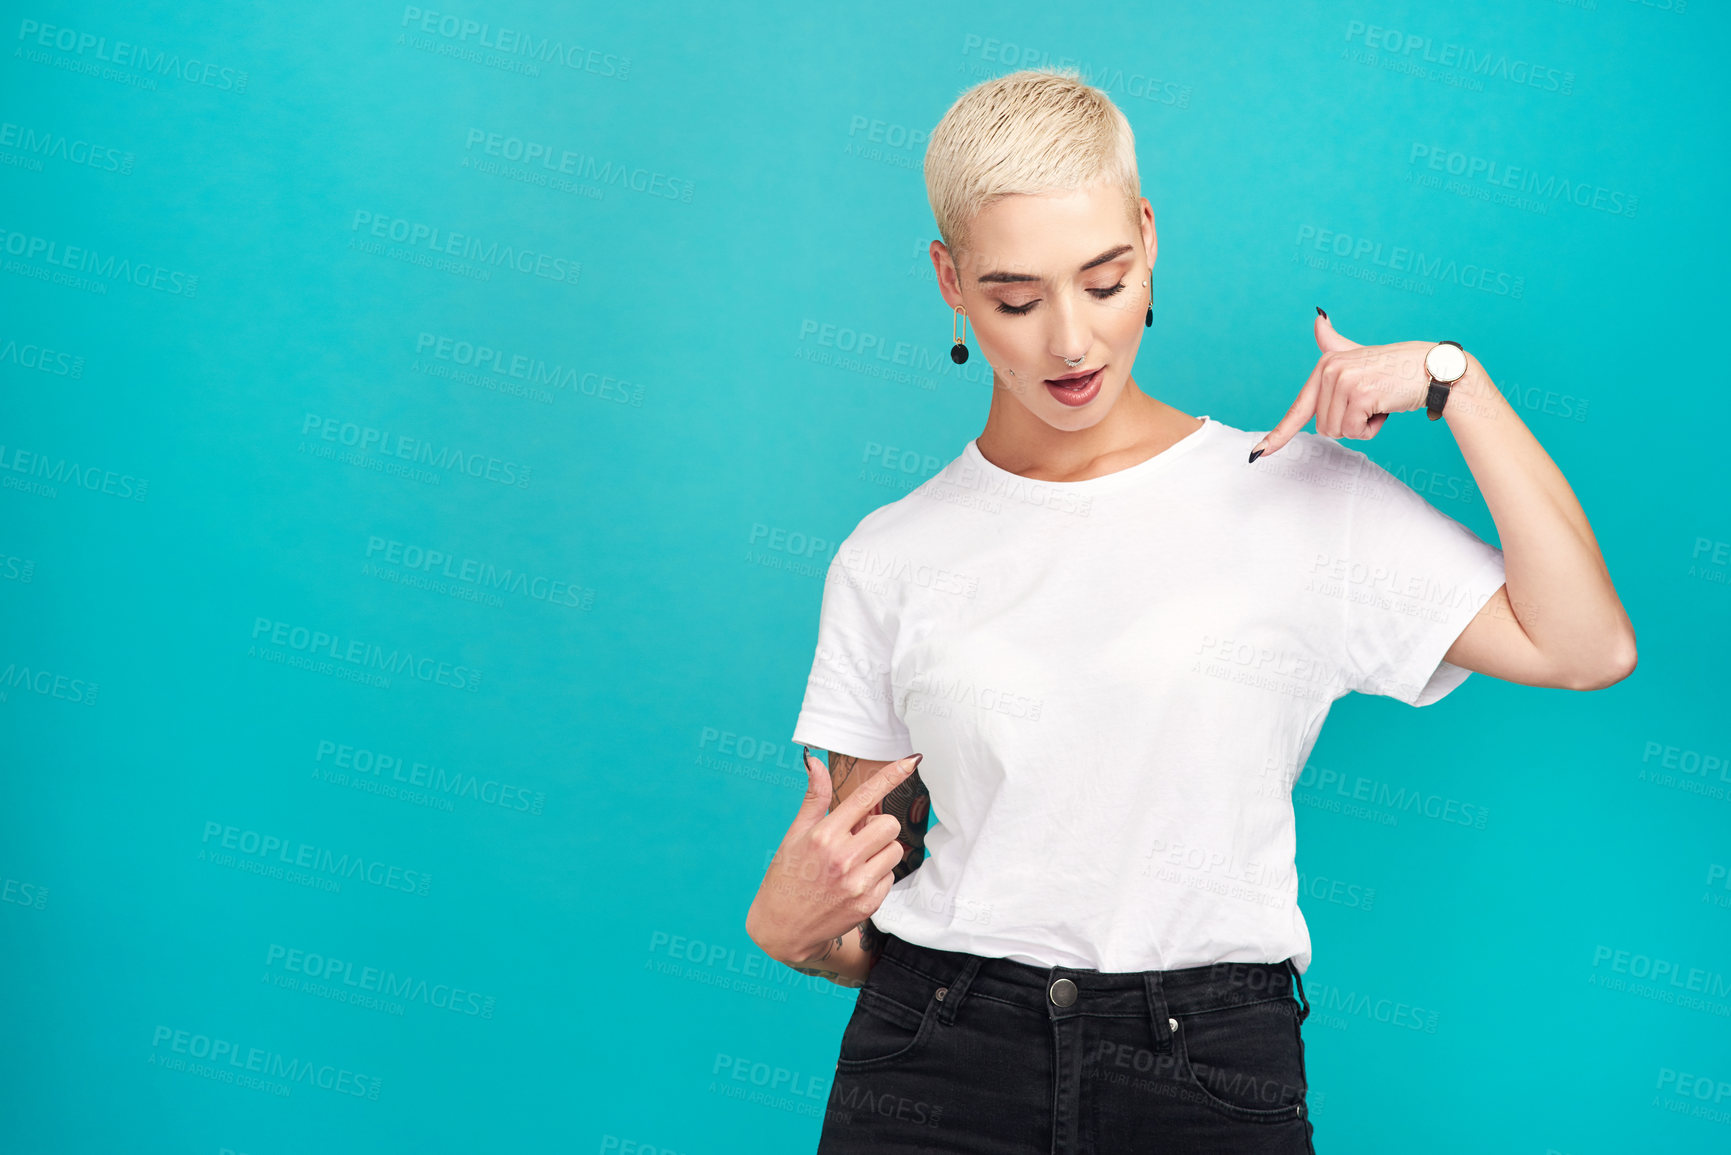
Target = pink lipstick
(1077,388)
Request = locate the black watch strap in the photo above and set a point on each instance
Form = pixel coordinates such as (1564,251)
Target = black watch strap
(1436,399)
(1438,395)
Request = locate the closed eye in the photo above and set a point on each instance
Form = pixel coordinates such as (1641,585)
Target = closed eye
(1099,295)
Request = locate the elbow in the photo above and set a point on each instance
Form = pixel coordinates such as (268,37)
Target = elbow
(762,940)
(1611,671)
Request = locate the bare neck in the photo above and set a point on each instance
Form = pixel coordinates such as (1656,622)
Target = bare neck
(1136,428)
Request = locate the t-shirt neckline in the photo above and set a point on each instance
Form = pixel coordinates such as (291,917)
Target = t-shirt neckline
(1142,469)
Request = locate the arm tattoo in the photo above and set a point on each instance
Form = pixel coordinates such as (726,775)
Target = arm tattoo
(813,965)
(871,940)
(910,803)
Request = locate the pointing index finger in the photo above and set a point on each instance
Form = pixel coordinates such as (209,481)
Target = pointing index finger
(874,789)
(1299,415)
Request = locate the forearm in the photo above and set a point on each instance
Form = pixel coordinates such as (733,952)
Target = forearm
(847,959)
(1558,586)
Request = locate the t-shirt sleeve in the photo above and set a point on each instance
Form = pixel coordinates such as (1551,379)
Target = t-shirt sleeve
(849,703)
(1414,577)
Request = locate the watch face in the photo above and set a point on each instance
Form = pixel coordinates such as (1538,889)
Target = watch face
(1445,362)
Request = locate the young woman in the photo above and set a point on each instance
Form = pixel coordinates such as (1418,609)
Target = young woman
(1115,629)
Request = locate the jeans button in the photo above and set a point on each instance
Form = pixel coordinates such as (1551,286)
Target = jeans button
(1062,993)
(941,991)
(1173,1023)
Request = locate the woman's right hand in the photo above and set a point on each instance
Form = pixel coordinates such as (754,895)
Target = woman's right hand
(833,867)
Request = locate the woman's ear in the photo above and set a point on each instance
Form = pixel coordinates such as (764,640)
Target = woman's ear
(945,268)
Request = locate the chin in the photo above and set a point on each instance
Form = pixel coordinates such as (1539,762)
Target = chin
(1078,421)
(1060,416)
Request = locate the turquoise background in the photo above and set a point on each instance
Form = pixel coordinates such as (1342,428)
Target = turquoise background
(597,554)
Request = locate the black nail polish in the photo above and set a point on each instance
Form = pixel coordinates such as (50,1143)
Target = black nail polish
(1257,453)
(1324,315)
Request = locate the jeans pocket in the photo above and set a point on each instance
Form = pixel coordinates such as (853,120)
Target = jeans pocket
(887,1026)
(1245,1061)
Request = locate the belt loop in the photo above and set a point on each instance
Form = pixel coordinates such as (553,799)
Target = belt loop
(958,987)
(1157,1013)
(1305,1013)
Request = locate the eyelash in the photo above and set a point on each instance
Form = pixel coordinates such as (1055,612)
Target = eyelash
(1099,295)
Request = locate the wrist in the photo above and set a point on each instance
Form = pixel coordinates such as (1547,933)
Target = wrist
(805,954)
(1474,395)
(1474,381)
(767,942)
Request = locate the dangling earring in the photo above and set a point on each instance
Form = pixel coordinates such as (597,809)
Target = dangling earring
(958,351)
(1148,321)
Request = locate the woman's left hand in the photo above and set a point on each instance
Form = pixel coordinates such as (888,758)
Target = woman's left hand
(1354,387)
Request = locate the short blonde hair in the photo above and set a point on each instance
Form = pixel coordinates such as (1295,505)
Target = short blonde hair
(1034,131)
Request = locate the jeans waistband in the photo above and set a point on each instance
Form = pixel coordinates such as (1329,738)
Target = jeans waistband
(1157,994)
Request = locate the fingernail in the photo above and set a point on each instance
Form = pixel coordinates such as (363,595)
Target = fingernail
(1261,447)
(916,763)
(1324,315)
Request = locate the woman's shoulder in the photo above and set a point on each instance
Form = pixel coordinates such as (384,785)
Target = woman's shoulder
(924,507)
(1304,445)
(1306,458)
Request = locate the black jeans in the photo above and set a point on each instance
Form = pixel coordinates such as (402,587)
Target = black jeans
(955,1052)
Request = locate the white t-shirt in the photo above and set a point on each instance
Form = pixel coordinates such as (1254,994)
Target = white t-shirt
(1115,682)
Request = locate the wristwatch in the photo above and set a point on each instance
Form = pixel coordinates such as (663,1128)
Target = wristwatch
(1446,363)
